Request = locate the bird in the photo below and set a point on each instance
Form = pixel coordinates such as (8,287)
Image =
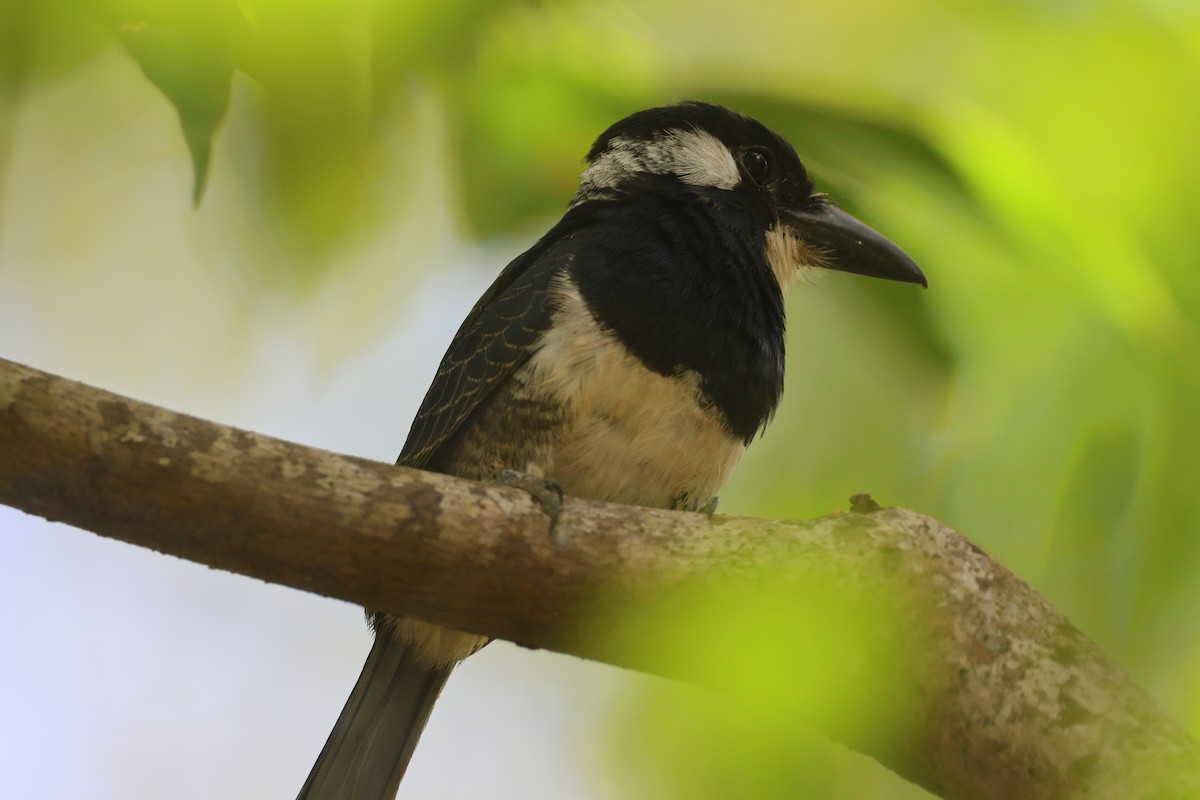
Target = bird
(629,356)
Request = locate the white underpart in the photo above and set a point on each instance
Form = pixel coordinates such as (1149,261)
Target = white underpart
(695,157)
(789,256)
(435,645)
(634,436)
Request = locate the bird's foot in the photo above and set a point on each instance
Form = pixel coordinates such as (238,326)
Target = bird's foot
(708,508)
(546,493)
(863,503)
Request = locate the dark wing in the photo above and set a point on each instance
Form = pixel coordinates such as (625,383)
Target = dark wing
(496,338)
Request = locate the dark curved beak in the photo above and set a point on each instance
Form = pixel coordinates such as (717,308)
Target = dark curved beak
(851,246)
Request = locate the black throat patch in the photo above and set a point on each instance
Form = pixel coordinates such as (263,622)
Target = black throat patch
(685,285)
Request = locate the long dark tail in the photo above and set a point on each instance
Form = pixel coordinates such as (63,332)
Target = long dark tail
(373,740)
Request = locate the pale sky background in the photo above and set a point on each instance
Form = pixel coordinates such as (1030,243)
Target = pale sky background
(128,674)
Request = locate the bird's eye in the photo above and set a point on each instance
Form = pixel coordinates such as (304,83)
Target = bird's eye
(758,165)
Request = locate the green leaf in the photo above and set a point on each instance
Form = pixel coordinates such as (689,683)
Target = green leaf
(187,49)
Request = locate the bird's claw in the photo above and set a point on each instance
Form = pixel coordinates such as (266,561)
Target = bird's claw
(708,508)
(546,493)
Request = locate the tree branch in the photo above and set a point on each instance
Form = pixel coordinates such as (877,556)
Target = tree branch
(991,692)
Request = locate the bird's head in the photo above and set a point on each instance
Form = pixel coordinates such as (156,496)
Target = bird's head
(751,174)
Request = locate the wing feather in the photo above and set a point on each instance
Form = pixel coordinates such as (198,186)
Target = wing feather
(497,337)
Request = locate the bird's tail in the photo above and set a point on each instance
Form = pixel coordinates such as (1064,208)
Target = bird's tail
(373,740)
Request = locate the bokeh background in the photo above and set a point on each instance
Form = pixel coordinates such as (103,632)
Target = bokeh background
(274,213)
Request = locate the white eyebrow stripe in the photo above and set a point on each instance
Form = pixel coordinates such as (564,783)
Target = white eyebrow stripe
(702,160)
(696,157)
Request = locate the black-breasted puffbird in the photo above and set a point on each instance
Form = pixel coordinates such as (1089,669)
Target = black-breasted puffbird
(630,356)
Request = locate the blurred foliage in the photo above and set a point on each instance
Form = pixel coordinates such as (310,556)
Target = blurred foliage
(187,49)
(1037,158)
(775,676)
